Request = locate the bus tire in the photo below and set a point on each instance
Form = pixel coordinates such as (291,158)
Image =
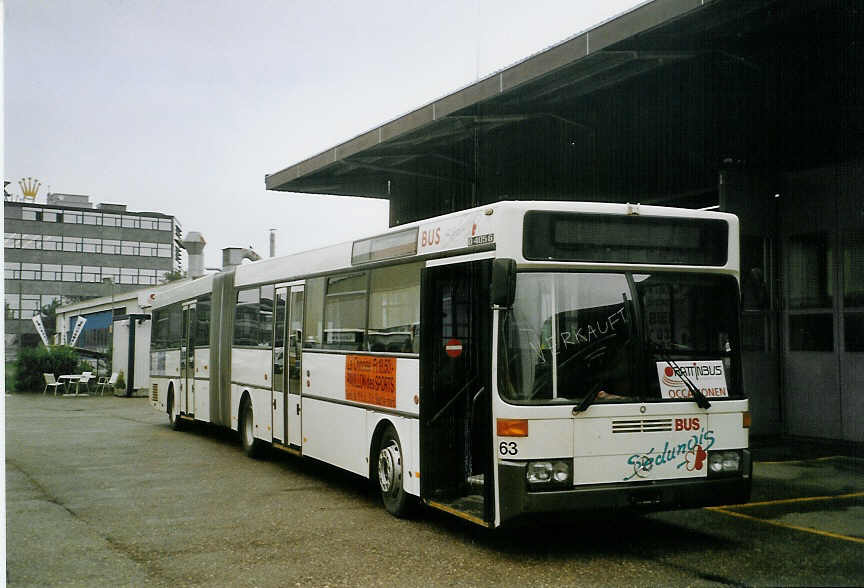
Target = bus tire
(173,418)
(389,470)
(252,447)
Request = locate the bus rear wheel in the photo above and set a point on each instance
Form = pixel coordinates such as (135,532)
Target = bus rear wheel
(390,475)
(252,447)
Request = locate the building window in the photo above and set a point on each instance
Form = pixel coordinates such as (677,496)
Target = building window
(89,218)
(164,250)
(811,332)
(110,220)
(148,222)
(92,245)
(51,272)
(853,269)
(71,273)
(52,243)
(147,277)
(111,247)
(13,306)
(31,214)
(12,240)
(128,276)
(29,305)
(31,241)
(31,271)
(129,248)
(72,244)
(810,271)
(52,216)
(148,249)
(164,224)
(129,222)
(72,218)
(12,270)
(111,272)
(91,273)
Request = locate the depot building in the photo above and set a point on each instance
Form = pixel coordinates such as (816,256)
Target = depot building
(747,106)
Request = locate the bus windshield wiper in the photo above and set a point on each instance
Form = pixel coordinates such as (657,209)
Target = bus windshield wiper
(589,398)
(701,400)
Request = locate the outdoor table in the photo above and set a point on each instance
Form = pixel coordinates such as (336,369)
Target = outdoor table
(68,380)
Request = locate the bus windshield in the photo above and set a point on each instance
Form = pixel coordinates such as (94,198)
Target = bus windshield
(614,336)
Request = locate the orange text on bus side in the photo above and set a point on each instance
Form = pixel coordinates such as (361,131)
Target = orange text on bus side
(371,380)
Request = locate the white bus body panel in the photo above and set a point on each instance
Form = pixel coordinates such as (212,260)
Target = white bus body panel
(608,442)
(326,379)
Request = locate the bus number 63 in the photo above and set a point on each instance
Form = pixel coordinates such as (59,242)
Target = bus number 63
(508,448)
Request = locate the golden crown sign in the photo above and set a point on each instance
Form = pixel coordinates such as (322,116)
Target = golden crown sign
(29,188)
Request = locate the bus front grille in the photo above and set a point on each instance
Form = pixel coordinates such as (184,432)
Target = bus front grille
(641,425)
(154,396)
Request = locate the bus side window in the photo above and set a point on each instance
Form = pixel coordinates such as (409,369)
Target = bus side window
(394,309)
(202,314)
(265,317)
(246,318)
(314,325)
(345,312)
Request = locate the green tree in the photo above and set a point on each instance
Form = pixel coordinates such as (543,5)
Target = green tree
(173,276)
(34,361)
(49,317)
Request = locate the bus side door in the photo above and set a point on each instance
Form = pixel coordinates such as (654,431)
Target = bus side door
(455,408)
(187,360)
(280,310)
(294,371)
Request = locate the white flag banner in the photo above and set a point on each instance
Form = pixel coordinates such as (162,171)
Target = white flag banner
(79,326)
(40,328)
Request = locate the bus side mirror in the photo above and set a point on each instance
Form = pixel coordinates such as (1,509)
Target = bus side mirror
(503,282)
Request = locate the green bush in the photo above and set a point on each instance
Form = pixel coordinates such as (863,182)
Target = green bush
(121,381)
(35,361)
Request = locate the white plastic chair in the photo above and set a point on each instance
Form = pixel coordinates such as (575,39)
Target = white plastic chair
(50,382)
(106,382)
(84,379)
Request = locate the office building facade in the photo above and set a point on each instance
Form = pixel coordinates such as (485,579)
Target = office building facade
(68,250)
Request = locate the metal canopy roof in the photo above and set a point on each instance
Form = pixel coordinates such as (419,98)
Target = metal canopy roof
(640,107)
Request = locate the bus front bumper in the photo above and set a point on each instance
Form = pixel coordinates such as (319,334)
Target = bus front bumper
(516,499)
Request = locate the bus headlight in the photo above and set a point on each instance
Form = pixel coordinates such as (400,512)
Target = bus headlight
(722,463)
(548,474)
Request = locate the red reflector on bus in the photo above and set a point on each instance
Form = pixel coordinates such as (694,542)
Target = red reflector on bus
(745,419)
(512,427)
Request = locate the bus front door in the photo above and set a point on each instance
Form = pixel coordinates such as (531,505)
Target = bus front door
(187,361)
(455,407)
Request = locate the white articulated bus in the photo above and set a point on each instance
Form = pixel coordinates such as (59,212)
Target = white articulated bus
(514,359)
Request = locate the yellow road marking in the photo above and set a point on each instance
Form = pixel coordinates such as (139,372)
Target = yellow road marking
(787,501)
(787,525)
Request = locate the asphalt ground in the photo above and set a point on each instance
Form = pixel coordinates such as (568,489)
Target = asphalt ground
(101,492)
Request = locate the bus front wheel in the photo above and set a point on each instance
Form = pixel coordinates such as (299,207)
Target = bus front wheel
(173,418)
(390,472)
(251,446)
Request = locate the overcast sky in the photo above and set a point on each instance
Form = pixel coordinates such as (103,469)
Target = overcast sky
(183,106)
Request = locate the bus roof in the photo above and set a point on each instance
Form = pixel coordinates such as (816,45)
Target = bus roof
(474,230)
